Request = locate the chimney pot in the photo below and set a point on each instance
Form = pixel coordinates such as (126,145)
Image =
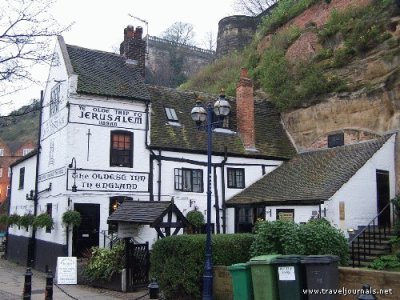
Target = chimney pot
(129,31)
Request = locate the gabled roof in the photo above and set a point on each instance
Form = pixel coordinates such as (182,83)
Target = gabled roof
(271,138)
(310,177)
(144,212)
(103,73)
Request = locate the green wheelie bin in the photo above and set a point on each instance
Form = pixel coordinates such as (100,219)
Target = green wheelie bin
(264,277)
(241,281)
(291,277)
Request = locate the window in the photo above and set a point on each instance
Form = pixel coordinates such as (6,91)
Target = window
(1,172)
(236,178)
(189,180)
(246,217)
(9,172)
(121,149)
(55,99)
(1,152)
(21,178)
(171,114)
(335,140)
(115,202)
(26,151)
(49,211)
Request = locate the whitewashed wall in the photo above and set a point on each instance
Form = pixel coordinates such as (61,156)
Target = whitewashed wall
(360,193)
(18,204)
(187,201)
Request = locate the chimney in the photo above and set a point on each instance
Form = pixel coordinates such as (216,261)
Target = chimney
(245,110)
(134,47)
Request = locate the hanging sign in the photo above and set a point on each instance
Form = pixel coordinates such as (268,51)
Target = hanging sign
(107,117)
(67,270)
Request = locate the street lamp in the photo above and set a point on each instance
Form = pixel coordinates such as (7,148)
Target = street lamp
(201,115)
(73,165)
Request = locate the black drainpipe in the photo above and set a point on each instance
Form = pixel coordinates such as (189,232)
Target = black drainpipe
(159,176)
(8,210)
(223,190)
(32,242)
(216,205)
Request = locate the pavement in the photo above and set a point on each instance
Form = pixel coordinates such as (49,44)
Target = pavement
(12,278)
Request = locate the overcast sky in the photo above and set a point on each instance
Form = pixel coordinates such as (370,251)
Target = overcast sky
(100,24)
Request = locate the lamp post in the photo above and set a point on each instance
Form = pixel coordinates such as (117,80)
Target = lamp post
(73,165)
(201,115)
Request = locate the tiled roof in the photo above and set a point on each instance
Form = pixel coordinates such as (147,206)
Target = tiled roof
(309,177)
(106,74)
(271,138)
(142,212)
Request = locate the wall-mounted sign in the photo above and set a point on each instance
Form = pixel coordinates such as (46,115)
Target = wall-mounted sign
(67,270)
(126,230)
(107,117)
(108,181)
(54,124)
(51,174)
(341,210)
(286,273)
(285,214)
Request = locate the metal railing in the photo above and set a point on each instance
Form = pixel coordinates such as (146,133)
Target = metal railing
(368,239)
(109,238)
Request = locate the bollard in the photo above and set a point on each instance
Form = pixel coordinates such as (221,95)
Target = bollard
(49,286)
(28,284)
(153,289)
(366,295)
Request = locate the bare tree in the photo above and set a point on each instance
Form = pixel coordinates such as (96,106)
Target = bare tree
(209,41)
(181,33)
(26,31)
(252,7)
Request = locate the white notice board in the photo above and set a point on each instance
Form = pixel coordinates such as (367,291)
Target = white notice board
(286,273)
(67,270)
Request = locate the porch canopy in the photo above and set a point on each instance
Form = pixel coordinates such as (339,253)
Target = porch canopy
(157,214)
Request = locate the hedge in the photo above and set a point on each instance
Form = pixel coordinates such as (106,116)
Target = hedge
(316,237)
(177,262)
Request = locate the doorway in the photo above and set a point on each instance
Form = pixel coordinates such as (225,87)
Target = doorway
(86,235)
(383,197)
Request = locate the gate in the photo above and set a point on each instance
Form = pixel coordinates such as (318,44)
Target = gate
(137,264)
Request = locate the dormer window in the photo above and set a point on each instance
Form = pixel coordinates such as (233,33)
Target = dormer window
(55,99)
(171,114)
(335,140)
(26,151)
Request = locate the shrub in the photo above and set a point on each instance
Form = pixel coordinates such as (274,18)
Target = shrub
(385,262)
(317,237)
(178,261)
(276,237)
(104,263)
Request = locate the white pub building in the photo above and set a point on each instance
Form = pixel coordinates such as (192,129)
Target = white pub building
(124,154)
(106,138)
